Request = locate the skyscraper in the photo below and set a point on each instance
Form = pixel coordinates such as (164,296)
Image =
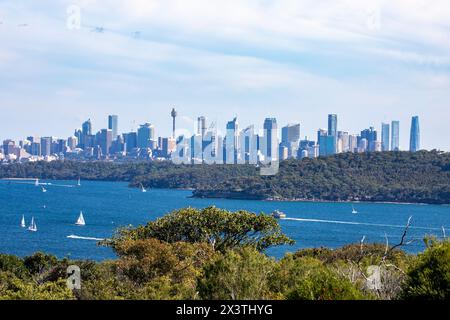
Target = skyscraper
(104,140)
(290,138)
(201,126)
(145,134)
(271,139)
(414,144)
(332,130)
(332,125)
(327,143)
(371,136)
(113,125)
(395,136)
(46,145)
(385,131)
(232,142)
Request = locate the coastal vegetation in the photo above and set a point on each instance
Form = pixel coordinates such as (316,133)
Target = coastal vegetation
(190,254)
(420,177)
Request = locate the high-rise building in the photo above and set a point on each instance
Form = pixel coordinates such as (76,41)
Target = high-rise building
(353,143)
(414,144)
(395,136)
(8,146)
(371,136)
(327,143)
(130,141)
(168,146)
(145,134)
(86,128)
(36,149)
(104,140)
(113,125)
(201,126)
(46,146)
(270,150)
(290,138)
(385,135)
(332,131)
(72,142)
(343,142)
(232,142)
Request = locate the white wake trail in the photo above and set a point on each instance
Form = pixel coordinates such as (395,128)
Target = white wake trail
(84,238)
(358,223)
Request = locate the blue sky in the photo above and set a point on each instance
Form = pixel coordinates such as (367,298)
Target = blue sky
(368,61)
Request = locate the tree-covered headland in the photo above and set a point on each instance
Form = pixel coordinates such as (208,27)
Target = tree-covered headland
(420,177)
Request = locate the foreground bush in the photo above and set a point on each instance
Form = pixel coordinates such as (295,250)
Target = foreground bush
(429,277)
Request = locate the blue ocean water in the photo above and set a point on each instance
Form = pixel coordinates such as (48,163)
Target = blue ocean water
(109,205)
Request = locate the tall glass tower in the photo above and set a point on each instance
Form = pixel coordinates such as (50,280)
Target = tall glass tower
(414,144)
(385,131)
(332,130)
(395,136)
(271,138)
(113,123)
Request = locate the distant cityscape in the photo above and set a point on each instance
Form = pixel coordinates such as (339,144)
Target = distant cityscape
(237,146)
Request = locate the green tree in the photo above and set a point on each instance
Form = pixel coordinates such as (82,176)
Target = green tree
(222,229)
(240,274)
(429,277)
(309,279)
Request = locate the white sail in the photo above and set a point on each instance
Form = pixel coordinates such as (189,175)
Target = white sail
(80,221)
(36,182)
(79,182)
(32,226)
(44,190)
(142,188)
(354,210)
(22,223)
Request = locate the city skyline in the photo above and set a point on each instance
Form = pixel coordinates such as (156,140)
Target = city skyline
(370,62)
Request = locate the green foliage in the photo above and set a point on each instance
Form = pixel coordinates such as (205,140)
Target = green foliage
(241,274)
(309,279)
(13,288)
(223,229)
(429,277)
(14,265)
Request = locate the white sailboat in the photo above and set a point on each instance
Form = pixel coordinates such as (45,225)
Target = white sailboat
(354,211)
(142,188)
(43,189)
(32,227)
(36,182)
(79,182)
(80,221)
(22,223)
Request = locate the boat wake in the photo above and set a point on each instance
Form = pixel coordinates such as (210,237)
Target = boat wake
(358,223)
(84,238)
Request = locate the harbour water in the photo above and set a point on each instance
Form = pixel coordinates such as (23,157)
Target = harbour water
(107,206)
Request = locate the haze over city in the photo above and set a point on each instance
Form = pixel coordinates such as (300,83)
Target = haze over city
(298,61)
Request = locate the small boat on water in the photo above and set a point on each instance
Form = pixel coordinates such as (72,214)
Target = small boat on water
(32,227)
(22,222)
(80,221)
(79,182)
(143,189)
(43,189)
(354,211)
(277,214)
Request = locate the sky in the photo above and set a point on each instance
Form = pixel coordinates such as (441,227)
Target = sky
(374,61)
